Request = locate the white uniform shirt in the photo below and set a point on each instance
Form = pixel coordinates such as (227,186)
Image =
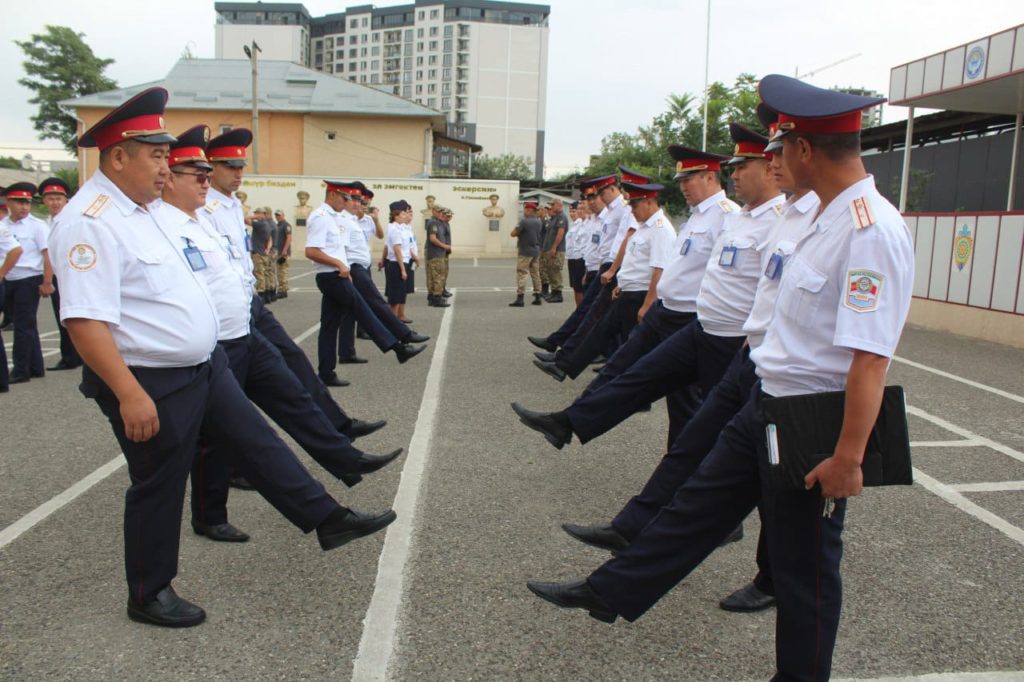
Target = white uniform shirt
(414,248)
(357,248)
(573,245)
(593,227)
(7,241)
(796,221)
(648,248)
(326,231)
(118,264)
(620,221)
(31,235)
(401,236)
(680,282)
(847,287)
(727,290)
(224,281)
(228,217)
(369,227)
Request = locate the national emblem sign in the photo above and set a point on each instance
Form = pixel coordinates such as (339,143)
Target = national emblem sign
(963,247)
(974,62)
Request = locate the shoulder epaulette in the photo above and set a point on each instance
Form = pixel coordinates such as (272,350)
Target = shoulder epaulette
(779,209)
(726,206)
(660,223)
(98,205)
(860,209)
(212,206)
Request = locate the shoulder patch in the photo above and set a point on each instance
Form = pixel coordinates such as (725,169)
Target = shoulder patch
(82,257)
(726,206)
(779,209)
(212,206)
(860,209)
(863,290)
(98,205)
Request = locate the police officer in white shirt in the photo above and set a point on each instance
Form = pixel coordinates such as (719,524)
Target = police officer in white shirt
(140,314)
(10,252)
(841,306)
(326,246)
(227,154)
(574,246)
(55,193)
(30,278)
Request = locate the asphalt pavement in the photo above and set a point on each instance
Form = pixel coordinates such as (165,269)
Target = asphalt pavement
(933,573)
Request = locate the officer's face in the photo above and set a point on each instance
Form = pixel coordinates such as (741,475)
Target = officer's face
(19,208)
(643,209)
(692,185)
(186,188)
(143,173)
(54,202)
(796,155)
(751,179)
(782,176)
(225,178)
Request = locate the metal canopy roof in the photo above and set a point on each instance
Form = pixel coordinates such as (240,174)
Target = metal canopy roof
(982,76)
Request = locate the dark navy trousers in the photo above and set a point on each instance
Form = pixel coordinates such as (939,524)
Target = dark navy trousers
(594,286)
(340,297)
(191,400)
(266,324)
(618,322)
(4,378)
(689,357)
(68,353)
(597,312)
(27,352)
(805,548)
(266,380)
(363,283)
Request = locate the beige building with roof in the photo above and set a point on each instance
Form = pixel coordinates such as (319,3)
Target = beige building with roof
(310,123)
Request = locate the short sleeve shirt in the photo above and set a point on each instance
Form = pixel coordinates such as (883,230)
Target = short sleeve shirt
(529,237)
(30,232)
(555,223)
(226,215)
(263,229)
(648,248)
(280,235)
(438,228)
(593,227)
(847,287)
(325,232)
(357,248)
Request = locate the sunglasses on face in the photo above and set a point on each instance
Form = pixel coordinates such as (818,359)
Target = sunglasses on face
(201,178)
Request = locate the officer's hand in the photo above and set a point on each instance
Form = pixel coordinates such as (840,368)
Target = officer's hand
(404,275)
(606,276)
(838,477)
(343,272)
(552,252)
(45,289)
(380,264)
(140,419)
(643,311)
(616,292)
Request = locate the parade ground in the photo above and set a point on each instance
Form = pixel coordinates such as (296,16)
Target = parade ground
(933,573)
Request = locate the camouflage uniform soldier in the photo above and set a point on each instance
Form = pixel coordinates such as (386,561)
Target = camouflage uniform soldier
(439,241)
(528,234)
(553,250)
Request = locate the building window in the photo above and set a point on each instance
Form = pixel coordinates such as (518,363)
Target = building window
(446,74)
(407,64)
(329,69)
(339,68)
(408,35)
(362,52)
(421,15)
(448,45)
(419,31)
(446,103)
(432,74)
(374,78)
(433,46)
(340,54)
(354,23)
(435,13)
(362,79)
(375,65)
(432,60)
(447,60)
(406,91)
(352,78)
(376,37)
(375,50)
(432,102)
(446,88)
(419,61)
(341,40)
(366,22)
(447,30)
(352,66)
(330,43)
(407,77)
(433,31)
(362,66)
(408,50)
(432,88)
(419,47)
(225,128)
(419,89)
(353,53)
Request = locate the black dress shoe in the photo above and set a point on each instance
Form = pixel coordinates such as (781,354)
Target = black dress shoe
(602,536)
(19,379)
(362,335)
(747,600)
(544,356)
(405,321)
(346,525)
(575,595)
(167,610)
(415,337)
(352,360)
(334,380)
(358,428)
(406,352)
(551,369)
(367,464)
(446,294)
(542,343)
(62,365)
(553,425)
(599,360)
(222,532)
(735,536)
(241,483)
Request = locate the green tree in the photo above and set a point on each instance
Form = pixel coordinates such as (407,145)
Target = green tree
(59,65)
(10,162)
(70,176)
(645,151)
(504,167)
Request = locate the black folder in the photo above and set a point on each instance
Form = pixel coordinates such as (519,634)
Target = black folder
(806,429)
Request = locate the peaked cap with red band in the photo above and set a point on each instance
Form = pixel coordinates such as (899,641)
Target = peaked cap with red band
(54,186)
(632,177)
(21,190)
(592,186)
(748,144)
(642,190)
(530,204)
(805,108)
(141,119)
(769,119)
(191,148)
(693,160)
(230,147)
(351,189)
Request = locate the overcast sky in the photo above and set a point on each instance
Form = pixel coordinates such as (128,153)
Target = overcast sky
(612,63)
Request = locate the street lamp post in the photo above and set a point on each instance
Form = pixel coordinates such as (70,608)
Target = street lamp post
(251,54)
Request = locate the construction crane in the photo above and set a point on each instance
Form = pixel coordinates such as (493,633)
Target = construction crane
(797,74)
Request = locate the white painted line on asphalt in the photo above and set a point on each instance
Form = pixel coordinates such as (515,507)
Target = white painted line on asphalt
(949,494)
(964,433)
(973,384)
(306,334)
(476,262)
(381,621)
(945,443)
(1000,676)
(996,487)
(54,504)
(46,354)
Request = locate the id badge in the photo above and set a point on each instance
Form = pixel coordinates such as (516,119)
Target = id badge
(686,247)
(728,257)
(774,268)
(248,243)
(195,258)
(595,238)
